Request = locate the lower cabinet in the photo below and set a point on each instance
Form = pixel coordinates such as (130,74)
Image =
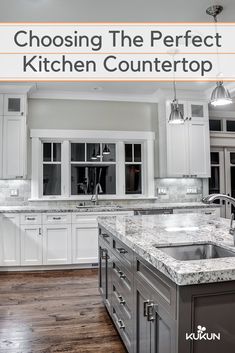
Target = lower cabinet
(85,242)
(31,245)
(154,328)
(57,244)
(10,240)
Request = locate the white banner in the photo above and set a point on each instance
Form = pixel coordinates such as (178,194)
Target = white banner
(117,52)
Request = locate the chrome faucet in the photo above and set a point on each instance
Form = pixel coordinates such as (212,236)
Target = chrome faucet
(95,196)
(212,197)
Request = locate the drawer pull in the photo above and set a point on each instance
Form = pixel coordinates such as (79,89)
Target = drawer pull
(105,235)
(121,300)
(121,274)
(120,324)
(103,254)
(150,311)
(56,218)
(122,251)
(146,303)
(30,218)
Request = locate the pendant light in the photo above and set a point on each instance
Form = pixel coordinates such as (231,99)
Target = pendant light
(220,95)
(106,150)
(98,155)
(176,117)
(93,157)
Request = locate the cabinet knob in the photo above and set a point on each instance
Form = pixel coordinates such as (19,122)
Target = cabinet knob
(121,300)
(121,324)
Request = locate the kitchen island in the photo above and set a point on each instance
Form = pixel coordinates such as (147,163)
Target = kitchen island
(158,302)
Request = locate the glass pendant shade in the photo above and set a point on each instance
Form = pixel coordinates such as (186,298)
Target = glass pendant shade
(176,117)
(220,95)
(98,155)
(93,157)
(106,150)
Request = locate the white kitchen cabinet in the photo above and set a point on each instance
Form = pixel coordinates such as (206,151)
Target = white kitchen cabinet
(57,244)
(10,240)
(31,245)
(14,104)
(1,145)
(85,241)
(188,144)
(14,147)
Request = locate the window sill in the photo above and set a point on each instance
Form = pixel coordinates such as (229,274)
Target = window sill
(101,198)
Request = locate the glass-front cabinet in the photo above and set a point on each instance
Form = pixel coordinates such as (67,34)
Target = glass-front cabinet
(14,104)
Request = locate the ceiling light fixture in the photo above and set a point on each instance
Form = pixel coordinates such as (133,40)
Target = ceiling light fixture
(106,150)
(176,117)
(220,95)
(93,157)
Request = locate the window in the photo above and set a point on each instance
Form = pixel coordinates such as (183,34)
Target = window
(133,169)
(66,167)
(51,168)
(230,125)
(215,125)
(93,163)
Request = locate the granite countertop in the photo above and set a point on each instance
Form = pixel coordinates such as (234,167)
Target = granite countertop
(105,208)
(141,233)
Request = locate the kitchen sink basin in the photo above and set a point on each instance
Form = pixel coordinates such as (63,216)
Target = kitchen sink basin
(196,251)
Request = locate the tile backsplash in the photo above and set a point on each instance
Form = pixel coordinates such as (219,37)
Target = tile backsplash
(17,192)
(178,190)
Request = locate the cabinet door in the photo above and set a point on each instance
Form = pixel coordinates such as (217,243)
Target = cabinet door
(1,145)
(14,104)
(10,240)
(57,244)
(142,325)
(84,243)
(31,245)
(14,147)
(199,149)
(163,331)
(198,111)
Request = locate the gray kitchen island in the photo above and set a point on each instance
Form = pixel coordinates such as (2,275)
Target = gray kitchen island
(168,282)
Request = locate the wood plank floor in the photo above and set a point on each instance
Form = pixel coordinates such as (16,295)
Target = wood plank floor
(55,312)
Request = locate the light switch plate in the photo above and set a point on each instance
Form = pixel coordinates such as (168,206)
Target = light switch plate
(14,192)
(162,191)
(192,190)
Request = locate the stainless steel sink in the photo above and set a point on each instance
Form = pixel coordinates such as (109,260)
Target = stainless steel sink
(196,251)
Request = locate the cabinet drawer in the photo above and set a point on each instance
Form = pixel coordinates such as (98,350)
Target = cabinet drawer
(105,236)
(122,301)
(56,218)
(123,327)
(164,288)
(121,275)
(85,219)
(123,252)
(31,218)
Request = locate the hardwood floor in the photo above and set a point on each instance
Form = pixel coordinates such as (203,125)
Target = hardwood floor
(55,312)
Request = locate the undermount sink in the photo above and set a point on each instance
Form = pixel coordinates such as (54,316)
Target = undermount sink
(196,251)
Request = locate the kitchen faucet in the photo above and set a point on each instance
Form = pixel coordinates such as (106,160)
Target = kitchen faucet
(95,196)
(212,197)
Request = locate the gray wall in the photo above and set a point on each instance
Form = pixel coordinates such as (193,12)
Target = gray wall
(91,115)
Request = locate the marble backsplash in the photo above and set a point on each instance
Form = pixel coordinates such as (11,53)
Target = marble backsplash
(176,191)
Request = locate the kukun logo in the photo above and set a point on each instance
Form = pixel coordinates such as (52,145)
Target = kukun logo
(201,334)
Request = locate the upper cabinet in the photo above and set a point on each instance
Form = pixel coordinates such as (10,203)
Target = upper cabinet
(13,132)
(14,104)
(187,146)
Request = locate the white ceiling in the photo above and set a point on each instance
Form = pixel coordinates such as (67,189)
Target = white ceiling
(112,10)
